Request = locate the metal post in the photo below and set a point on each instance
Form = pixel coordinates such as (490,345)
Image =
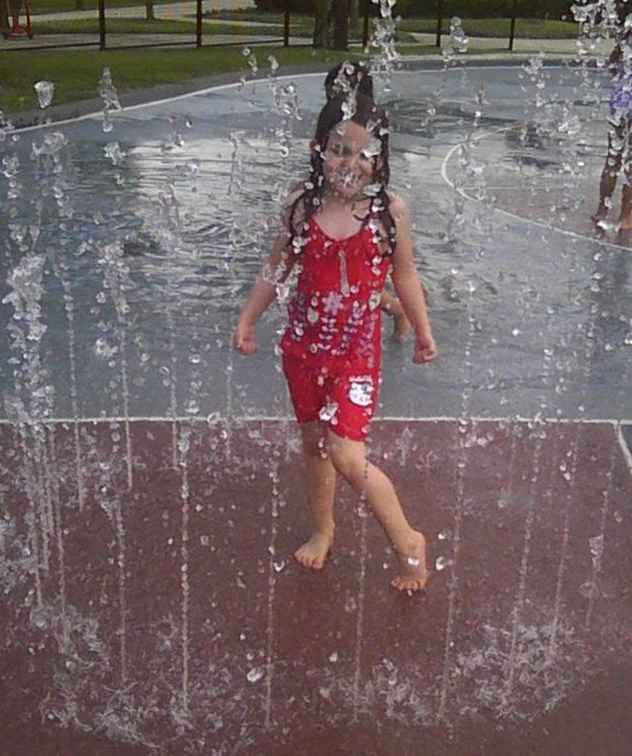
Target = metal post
(439,23)
(365,25)
(101,24)
(198,23)
(4,16)
(512,28)
(286,26)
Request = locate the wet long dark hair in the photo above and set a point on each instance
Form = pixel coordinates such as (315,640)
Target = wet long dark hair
(349,77)
(364,112)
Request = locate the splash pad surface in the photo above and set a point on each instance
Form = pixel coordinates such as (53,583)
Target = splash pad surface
(152,601)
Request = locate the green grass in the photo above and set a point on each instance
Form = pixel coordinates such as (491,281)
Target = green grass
(140,26)
(526,28)
(76,73)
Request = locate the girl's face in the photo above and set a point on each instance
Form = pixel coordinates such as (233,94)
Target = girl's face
(350,159)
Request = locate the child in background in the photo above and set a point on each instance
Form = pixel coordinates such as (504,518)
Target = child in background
(344,232)
(619,157)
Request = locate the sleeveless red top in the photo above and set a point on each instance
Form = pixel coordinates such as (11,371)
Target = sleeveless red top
(335,314)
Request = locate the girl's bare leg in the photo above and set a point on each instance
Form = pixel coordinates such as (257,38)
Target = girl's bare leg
(401,325)
(609,174)
(321,488)
(625,217)
(349,459)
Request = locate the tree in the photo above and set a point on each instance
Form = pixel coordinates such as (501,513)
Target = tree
(4,14)
(322,21)
(331,24)
(149,10)
(354,15)
(341,25)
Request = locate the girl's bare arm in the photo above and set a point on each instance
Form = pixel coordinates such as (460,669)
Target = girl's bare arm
(275,270)
(408,286)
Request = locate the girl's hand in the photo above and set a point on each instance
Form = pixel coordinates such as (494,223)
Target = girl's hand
(244,338)
(425,349)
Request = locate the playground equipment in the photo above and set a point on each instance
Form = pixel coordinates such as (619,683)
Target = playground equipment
(13,10)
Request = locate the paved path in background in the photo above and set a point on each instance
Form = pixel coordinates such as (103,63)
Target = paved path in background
(166,11)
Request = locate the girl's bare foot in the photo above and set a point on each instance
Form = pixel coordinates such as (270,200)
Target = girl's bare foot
(313,553)
(413,570)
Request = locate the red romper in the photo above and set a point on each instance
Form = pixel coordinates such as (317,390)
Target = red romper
(332,344)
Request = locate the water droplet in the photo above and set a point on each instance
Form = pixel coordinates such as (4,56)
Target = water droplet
(589,590)
(45,91)
(328,412)
(114,152)
(255,674)
(39,618)
(442,562)
(192,407)
(596,547)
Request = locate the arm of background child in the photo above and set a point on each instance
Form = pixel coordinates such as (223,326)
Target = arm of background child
(408,286)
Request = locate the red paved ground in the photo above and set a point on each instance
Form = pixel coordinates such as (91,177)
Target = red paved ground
(170,618)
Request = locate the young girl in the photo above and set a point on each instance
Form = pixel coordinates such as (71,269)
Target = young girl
(355,78)
(344,233)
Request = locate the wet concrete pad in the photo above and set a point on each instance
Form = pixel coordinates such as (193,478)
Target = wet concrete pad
(160,610)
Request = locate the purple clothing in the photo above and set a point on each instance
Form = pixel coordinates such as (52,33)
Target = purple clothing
(621,97)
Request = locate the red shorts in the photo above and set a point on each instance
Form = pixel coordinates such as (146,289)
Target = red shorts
(342,399)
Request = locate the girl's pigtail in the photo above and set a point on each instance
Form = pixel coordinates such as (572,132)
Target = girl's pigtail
(309,200)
